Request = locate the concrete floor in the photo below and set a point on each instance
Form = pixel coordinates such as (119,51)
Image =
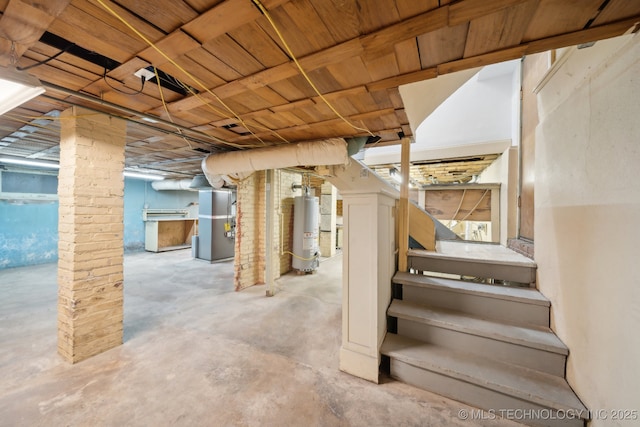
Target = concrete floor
(197,353)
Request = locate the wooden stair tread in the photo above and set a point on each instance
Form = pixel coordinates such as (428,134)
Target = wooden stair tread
(533,337)
(510,293)
(533,386)
(492,256)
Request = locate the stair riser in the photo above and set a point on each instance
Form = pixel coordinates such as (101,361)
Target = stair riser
(477,396)
(512,273)
(477,305)
(532,358)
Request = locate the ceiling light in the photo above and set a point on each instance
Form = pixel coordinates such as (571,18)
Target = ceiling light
(146,176)
(27,162)
(52,165)
(16,88)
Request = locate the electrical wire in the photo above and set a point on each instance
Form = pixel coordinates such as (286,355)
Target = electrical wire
(166,109)
(215,110)
(44,61)
(142,80)
(457,210)
(178,66)
(302,71)
(476,205)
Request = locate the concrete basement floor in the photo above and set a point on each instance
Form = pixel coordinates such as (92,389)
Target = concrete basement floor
(197,353)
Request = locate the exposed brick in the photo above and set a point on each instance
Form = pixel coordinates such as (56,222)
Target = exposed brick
(90,271)
(251,221)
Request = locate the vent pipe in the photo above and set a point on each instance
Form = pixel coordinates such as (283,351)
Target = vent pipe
(235,165)
(172,184)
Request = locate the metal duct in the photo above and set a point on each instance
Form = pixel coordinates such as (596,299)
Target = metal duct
(172,184)
(241,164)
(200,182)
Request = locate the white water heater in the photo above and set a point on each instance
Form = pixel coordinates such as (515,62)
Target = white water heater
(305,232)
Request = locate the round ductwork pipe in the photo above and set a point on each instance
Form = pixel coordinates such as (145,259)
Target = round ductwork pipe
(172,184)
(241,164)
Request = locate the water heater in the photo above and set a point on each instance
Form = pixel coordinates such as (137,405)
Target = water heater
(306,249)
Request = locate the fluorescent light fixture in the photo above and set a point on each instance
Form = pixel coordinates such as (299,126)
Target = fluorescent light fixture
(28,162)
(16,88)
(146,176)
(52,165)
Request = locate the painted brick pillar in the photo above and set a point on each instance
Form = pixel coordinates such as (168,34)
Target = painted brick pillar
(90,245)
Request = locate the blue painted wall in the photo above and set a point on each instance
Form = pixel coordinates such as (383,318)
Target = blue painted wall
(134,200)
(138,195)
(29,232)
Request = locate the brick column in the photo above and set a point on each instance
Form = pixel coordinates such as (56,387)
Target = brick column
(250,244)
(90,245)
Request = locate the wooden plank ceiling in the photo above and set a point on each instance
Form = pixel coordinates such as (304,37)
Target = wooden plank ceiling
(446,171)
(234,72)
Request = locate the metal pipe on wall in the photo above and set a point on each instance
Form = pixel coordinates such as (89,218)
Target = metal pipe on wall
(269,233)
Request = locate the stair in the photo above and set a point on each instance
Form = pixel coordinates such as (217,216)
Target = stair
(487,261)
(511,304)
(484,383)
(486,345)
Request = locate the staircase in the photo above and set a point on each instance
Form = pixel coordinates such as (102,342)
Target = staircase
(486,345)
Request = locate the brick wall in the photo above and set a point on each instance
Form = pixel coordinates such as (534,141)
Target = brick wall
(250,246)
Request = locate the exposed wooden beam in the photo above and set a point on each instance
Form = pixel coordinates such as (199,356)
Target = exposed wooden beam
(225,17)
(481,60)
(601,32)
(385,37)
(467,10)
(403,79)
(23,23)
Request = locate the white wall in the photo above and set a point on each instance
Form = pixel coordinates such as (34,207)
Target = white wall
(480,111)
(587,219)
(505,171)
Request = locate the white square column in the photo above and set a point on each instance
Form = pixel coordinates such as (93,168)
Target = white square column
(328,204)
(368,267)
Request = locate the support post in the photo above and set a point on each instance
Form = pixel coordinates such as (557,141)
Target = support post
(269,213)
(368,266)
(403,207)
(328,202)
(91,232)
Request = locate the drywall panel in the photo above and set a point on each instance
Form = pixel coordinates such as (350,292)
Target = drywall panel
(586,219)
